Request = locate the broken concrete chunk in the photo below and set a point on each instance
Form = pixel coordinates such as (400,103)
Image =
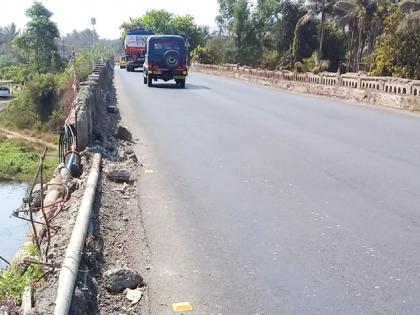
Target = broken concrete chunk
(121,156)
(129,151)
(119,176)
(124,134)
(132,157)
(118,279)
(133,295)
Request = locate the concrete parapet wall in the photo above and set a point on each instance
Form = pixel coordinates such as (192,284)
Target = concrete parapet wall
(91,103)
(384,91)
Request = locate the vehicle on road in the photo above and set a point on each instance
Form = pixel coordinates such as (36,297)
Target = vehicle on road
(166,59)
(134,48)
(4,92)
(122,62)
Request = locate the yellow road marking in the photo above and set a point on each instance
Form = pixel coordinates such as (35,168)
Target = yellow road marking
(149,171)
(182,307)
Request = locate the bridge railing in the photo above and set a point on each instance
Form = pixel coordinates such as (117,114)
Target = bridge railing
(391,85)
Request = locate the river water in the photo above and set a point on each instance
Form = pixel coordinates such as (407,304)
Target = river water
(12,230)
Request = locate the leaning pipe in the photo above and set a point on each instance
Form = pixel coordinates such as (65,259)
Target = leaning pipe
(70,266)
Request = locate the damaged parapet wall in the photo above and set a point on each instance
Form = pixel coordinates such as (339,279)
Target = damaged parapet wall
(91,100)
(384,91)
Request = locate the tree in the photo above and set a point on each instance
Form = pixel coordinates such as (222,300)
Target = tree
(164,22)
(38,41)
(323,7)
(305,38)
(8,54)
(275,22)
(185,26)
(291,12)
(411,21)
(398,55)
(397,51)
(159,21)
(82,40)
(334,46)
(359,17)
(234,16)
(8,33)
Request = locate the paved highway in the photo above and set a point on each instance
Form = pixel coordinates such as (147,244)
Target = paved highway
(263,201)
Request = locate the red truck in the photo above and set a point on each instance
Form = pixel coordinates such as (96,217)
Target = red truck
(134,47)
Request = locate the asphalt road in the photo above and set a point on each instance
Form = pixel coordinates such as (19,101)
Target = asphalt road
(263,201)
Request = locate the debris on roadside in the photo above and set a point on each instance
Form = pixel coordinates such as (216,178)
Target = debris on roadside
(124,134)
(116,236)
(134,295)
(116,280)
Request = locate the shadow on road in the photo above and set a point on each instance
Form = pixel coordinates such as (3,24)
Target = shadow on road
(136,70)
(197,87)
(174,86)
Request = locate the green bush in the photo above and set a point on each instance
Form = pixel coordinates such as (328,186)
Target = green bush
(13,281)
(270,59)
(18,162)
(45,101)
(310,63)
(34,103)
(217,46)
(12,285)
(397,55)
(203,55)
(19,73)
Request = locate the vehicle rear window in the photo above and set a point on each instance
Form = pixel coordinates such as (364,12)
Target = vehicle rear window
(167,45)
(2,88)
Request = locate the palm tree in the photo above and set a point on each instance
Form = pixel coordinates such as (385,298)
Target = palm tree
(411,21)
(10,32)
(359,17)
(296,40)
(323,7)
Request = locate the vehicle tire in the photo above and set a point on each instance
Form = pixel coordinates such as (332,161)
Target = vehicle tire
(144,80)
(171,59)
(149,81)
(182,84)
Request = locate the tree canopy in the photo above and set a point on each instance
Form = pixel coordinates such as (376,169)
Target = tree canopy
(38,41)
(8,54)
(164,22)
(347,35)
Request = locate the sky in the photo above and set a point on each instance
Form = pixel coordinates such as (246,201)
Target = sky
(109,14)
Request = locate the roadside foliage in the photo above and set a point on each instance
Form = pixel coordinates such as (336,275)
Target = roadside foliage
(381,37)
(42,69)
